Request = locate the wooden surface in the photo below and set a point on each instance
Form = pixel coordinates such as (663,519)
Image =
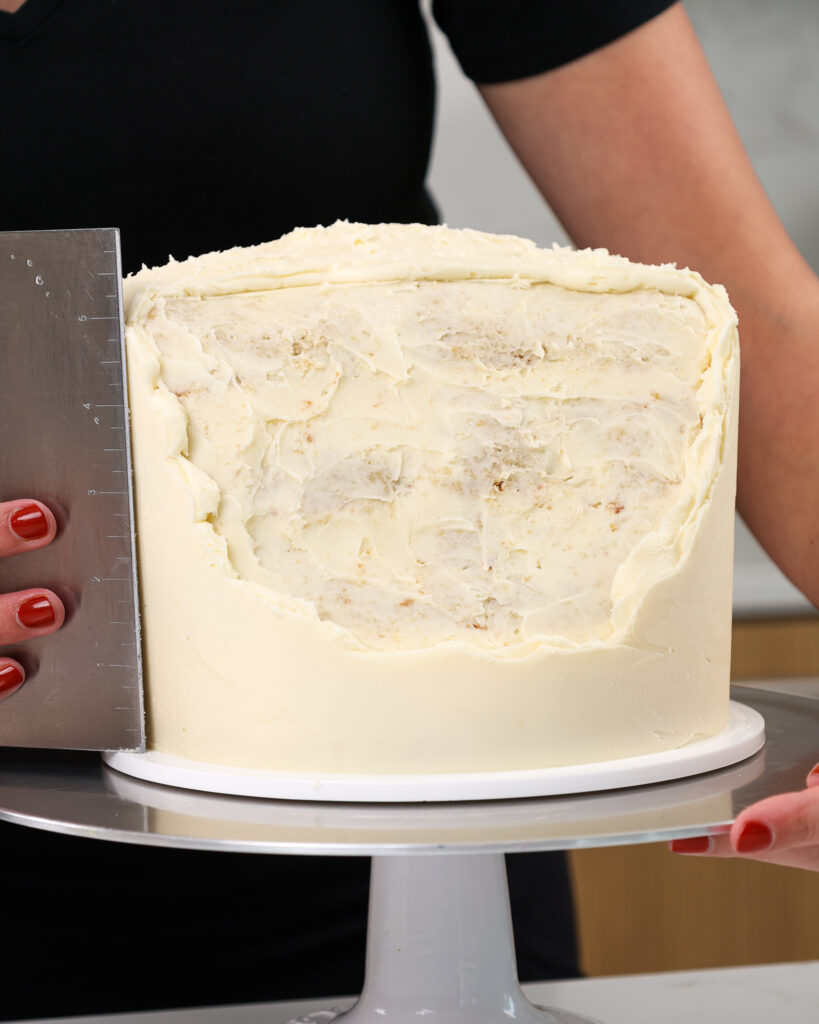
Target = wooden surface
(645,909)
(642,908)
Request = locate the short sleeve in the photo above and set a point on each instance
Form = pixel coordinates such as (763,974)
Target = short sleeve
(502,40)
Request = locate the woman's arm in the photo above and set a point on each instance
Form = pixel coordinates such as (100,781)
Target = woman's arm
(634,150)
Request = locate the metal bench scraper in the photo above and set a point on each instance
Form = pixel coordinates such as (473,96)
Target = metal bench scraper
(64,440)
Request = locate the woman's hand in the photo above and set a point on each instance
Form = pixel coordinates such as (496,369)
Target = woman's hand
(782,829)
(24,526)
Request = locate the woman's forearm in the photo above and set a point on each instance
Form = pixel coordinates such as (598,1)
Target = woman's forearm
(634,149)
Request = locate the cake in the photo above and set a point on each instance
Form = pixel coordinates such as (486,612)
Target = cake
(415,500)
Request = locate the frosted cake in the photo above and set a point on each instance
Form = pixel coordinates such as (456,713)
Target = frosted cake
(412,499)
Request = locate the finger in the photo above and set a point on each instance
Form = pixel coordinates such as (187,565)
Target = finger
(796,857)
(778,823)
(29,613)
(25,525)
(813,776)
(12,677)
(704,846)
(708,847)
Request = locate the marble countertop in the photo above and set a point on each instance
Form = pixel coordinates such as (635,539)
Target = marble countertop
(785,993)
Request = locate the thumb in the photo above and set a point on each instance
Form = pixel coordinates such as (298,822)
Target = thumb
(780,822)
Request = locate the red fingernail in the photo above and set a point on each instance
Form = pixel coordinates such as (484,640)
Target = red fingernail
(697,844)
(36,612)
(754,837)
(29,522)
(813,776)
(10,679)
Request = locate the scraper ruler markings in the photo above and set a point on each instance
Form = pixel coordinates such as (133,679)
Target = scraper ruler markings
(65,441)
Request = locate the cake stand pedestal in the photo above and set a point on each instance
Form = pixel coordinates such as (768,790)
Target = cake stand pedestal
(440,937)
(439,943)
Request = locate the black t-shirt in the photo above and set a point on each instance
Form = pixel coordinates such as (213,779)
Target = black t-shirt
(196,126)
(200,126)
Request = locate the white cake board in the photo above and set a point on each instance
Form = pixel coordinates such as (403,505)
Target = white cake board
(743,736)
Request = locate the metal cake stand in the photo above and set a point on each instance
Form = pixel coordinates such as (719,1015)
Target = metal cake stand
(440,938)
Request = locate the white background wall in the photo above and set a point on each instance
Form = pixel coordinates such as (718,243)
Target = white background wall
(765,56)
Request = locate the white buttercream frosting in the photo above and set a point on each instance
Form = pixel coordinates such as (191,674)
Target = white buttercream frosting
(412,441)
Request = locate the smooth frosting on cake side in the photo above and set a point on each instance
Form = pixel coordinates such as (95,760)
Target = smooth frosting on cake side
(416,499)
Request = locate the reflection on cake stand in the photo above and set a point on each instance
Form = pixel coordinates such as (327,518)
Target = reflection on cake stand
(440,938)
